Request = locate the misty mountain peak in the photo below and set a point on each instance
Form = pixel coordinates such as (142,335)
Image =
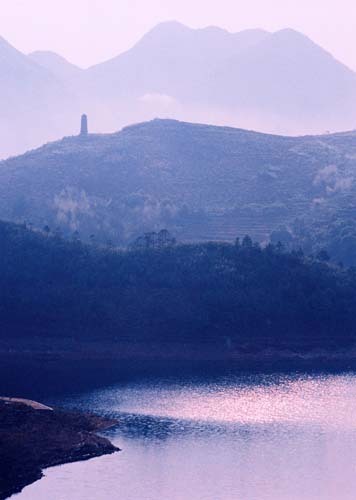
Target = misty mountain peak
(167,28)
(56,64)
(48,55)
(15,65)
(290,32)
(214,30)
(171,30)
(290,37)
(293,43)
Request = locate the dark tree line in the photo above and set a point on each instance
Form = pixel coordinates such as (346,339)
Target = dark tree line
(229,294)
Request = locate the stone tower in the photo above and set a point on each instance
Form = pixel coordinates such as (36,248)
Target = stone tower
(84,126)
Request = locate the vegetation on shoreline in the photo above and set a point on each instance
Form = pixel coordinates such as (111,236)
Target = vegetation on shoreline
(227,294)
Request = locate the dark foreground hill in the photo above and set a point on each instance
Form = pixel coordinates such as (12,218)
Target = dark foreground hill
(228,295)
(200,182)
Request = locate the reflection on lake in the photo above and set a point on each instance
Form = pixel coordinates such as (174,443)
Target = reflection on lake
(248,438)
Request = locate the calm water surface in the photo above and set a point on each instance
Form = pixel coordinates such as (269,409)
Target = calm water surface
(238,438)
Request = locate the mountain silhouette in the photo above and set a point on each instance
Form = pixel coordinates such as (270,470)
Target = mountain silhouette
(273,82)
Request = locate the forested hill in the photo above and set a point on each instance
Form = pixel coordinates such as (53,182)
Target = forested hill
(225,294)
(201,182)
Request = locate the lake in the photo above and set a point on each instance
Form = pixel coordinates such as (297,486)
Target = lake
(272,437)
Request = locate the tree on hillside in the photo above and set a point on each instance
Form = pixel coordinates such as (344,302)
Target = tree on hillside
(247,242)
(154,240)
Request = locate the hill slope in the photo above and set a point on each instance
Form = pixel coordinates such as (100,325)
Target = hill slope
(200,182)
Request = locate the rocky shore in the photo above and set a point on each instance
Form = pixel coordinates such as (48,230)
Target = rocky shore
(34,437)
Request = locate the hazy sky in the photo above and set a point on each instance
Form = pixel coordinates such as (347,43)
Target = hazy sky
(89,31)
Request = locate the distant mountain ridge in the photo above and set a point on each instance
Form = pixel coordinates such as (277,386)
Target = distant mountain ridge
(276,82)
(169,51)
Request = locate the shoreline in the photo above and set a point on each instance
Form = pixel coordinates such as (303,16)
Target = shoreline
(57,350)
(34,437)
(47,369)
